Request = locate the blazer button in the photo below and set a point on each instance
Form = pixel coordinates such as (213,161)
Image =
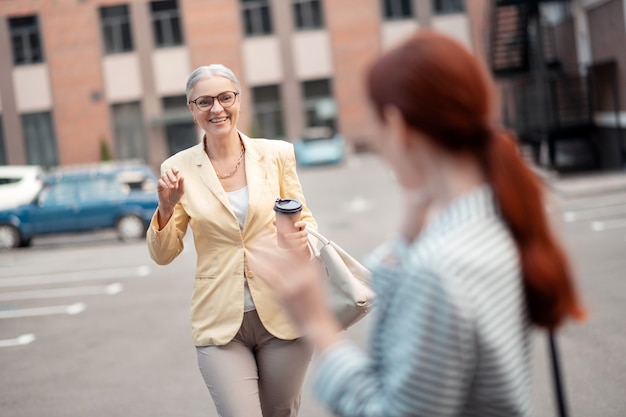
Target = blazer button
(250,274)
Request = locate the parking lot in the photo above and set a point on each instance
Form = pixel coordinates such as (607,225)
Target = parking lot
(91,326)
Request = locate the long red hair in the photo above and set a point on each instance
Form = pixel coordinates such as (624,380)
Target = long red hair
(442,90)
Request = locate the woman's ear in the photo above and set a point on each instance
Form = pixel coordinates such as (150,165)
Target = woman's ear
(190,107)
(399,128)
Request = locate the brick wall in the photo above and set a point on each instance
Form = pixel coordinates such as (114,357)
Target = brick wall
(355,37)
(71,36)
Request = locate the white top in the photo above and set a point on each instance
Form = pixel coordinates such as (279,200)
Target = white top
(239,203)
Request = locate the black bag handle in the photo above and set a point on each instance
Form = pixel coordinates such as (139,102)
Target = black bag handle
(559,390)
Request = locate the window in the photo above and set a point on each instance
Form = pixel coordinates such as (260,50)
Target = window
(448,6)
(319,104)
(166,23)
(59,194)
(268,113)
(308,14)
(41,146)
(115,22)
(180,131)
(99,189)
(256,17)
(397,9)
(130,138)
(25,40)
(3,152)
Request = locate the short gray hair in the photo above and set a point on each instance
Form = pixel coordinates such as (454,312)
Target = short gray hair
(208,71)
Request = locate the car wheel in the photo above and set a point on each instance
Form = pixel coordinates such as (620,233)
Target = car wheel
(130,227)
(9,237)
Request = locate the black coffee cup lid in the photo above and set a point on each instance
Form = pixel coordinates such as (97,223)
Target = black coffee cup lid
(287,206)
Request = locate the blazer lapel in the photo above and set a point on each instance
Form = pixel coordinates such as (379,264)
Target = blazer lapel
(256,176)
(209,177)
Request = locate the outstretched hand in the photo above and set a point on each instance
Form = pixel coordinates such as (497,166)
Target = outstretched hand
(300,286)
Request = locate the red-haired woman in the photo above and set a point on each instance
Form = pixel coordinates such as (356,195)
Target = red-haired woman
(474,264)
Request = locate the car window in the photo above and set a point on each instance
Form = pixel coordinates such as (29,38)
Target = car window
(100,189)
(10,174)
(5,180)
(314,140)
(58,194)
(18,185)
(138,180)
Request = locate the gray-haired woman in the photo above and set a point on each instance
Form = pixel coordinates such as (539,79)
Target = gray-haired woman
(249,352)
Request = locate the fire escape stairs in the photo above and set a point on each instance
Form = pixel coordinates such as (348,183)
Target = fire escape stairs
(548,105)
(509,49)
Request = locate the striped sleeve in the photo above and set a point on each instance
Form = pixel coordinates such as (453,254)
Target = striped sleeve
(422,359)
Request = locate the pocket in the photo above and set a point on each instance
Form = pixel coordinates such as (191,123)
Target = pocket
(205,277)
(203,289)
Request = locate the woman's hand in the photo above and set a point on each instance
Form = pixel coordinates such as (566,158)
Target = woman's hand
(170,188)
(298,241)
(300,286)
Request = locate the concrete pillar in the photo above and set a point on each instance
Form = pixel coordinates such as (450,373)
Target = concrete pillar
(13,132)
(151,106)
(291,90)
(583,42)
(424,11)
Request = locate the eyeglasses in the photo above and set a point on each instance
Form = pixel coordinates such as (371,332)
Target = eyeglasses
(205,103)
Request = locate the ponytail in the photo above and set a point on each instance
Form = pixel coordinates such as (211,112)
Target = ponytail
(548,285)
(444,92)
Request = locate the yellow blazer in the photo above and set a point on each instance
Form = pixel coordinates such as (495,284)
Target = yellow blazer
(226,255)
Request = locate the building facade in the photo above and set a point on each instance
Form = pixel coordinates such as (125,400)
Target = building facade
(83,79)
(589,36)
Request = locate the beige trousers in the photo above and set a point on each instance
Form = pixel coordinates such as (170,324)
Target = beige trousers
(256,374)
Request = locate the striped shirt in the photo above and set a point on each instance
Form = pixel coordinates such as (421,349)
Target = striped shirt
(450,336)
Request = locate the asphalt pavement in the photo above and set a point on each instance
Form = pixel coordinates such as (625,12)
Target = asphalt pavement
(589,213)
(92,327)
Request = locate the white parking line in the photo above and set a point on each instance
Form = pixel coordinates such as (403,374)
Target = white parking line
(588,213)
(358,205)
(22,340)
(110,289)
(600,226)
(71,309)
(76,276)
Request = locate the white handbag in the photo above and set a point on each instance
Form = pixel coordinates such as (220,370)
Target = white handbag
(350,294)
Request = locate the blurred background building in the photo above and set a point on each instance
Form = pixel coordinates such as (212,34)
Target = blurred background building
(561,66)
(82,80)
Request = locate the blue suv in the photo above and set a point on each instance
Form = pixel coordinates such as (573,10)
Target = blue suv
(81,201)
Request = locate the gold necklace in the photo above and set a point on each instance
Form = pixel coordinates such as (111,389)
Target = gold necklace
(231,173)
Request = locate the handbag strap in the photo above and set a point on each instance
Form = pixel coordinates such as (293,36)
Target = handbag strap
(559,391)
(313,245)
(318,236)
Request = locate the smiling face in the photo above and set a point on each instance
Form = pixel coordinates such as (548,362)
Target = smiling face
(218,121)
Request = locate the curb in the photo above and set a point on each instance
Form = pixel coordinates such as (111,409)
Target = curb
(584,185)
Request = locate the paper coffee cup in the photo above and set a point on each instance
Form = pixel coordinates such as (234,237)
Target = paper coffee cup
(288,212)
